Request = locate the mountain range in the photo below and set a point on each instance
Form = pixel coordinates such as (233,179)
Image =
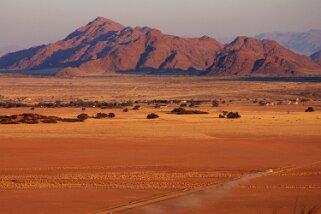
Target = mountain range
(306,43)
(104,47)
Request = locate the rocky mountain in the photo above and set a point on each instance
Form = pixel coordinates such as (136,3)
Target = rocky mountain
(106,47)
(316,57)
(248,56)
(305,43)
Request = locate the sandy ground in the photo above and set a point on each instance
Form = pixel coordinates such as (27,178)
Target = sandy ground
(85,167)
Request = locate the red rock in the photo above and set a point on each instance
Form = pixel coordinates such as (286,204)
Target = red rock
(104,47)
(248,56)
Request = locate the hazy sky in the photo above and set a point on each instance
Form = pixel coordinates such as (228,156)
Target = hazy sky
(30,22)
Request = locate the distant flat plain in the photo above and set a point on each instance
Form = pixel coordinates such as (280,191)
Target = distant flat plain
(85,167)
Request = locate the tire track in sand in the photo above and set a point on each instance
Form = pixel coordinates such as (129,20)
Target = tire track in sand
(214,191)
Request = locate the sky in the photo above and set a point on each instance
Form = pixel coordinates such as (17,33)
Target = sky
(26,23)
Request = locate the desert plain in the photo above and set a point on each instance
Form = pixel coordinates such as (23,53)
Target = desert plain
(267,161)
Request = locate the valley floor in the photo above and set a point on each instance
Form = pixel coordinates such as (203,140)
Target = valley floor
(96,165)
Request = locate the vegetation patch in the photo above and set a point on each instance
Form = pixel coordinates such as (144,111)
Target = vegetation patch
(310,109)
(104,115)
(184,111)
(137,107)
(215,103)
(152,116)
(36,119)
(230,115)
(83,116)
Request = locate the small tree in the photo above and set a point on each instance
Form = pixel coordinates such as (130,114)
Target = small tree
(101,115)
(233,115)
(310,109)
(111,115)
(137,107)
(83,116)
(152,116)
(215,103)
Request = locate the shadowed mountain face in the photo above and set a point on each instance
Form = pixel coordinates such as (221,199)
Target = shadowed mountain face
(316,57)
(106,47)
(305,43)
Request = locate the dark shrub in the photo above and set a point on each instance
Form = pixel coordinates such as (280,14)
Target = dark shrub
(152,116)
(304,100)
(137,107)
(111,115)
(215,103)
(310,109)
(49,120)
(14,117)
(33,116)
(29,121)
(83,116)
(233,115)
(178,110)
(263,103)
(101,115)
(125,110)
(192,105)
(72,120)
(55,118)
(83,109)
(184,111)
(221,116)
(32,109)
(8,121)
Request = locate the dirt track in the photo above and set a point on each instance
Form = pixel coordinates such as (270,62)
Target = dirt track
(211,191)
(227,184)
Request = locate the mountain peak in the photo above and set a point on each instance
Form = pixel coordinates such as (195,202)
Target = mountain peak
(244,40)
(95,28)
(103,21)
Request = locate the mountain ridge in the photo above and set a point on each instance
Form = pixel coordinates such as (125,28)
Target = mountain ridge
(106,47)
(305,43)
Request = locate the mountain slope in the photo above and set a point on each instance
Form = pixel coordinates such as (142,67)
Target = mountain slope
(149,49)
(248,56)
(316,57)
(105,47)
(305,43)
(73,50)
